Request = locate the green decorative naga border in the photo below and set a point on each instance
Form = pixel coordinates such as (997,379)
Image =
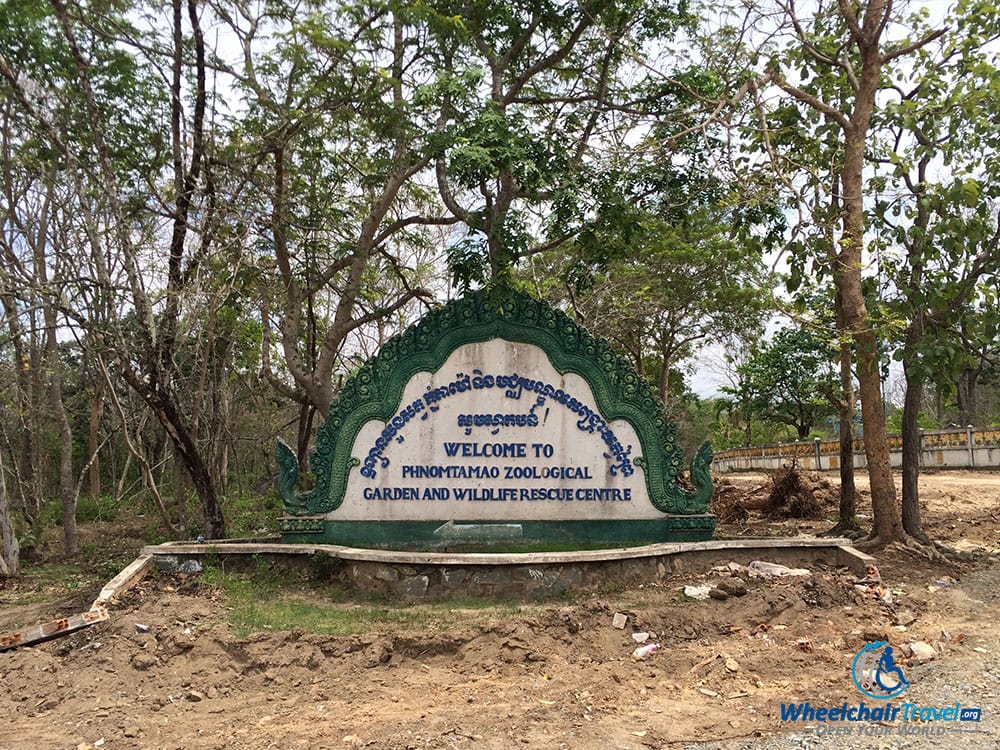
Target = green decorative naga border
(498,311)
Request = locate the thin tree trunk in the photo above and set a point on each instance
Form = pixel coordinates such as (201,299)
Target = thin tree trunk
(10,552)
(94,438)
(306,414)
(134,452)
(911,453)
(213,522)
(847,521)
(28,458)
(221,435)
(67,484)
(181,481)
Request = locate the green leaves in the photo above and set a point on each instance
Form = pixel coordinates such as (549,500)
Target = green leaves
(786,379)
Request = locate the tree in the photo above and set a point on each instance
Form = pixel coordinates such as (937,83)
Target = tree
(545,85)
(92,113)
(672,290)
(784,381)
(829,69)
(336,136)
(9,549)
(942,213)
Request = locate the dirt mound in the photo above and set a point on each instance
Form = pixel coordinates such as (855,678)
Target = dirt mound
(168,671)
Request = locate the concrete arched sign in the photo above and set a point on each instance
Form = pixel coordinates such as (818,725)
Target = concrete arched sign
(496,418)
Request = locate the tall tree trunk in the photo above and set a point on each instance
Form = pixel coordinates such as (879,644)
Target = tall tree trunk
(10,552)
(94,438)
(845,411)
(866,25)
(213,522)
(966,396)
(27,479)
(307,412)
(67,485)
(911,452)
(886,522)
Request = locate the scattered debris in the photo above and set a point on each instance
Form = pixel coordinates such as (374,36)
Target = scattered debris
(871,585)
(805,645)
(922,651)
(640,637)
(619,621)
(643,651)
(709,693)
(942,583)
(904,617)
(140,628)
(705,663)
(774,570)
(947,637)
(701,593)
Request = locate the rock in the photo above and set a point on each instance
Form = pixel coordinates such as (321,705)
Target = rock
(272,675)
(143,661)
(131,731)
(718,594)
(922,651)
(732,665)
(194,696)
(619,621)
(733,586)
(414,586)
(698,592)
(709,693)
(904,617)
(211,693)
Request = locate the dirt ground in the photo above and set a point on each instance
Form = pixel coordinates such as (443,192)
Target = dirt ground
(553,675)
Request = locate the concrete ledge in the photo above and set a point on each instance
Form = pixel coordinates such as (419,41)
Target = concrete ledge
(530,574)
(494,558)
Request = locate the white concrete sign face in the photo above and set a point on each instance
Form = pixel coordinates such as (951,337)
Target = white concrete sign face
(497,434)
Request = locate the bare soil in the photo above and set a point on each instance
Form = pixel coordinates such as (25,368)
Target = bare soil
(555,675)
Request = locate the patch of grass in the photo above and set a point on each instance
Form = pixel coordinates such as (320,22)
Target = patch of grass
(103,508)
(266,599)
(250,514)
(61,576)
